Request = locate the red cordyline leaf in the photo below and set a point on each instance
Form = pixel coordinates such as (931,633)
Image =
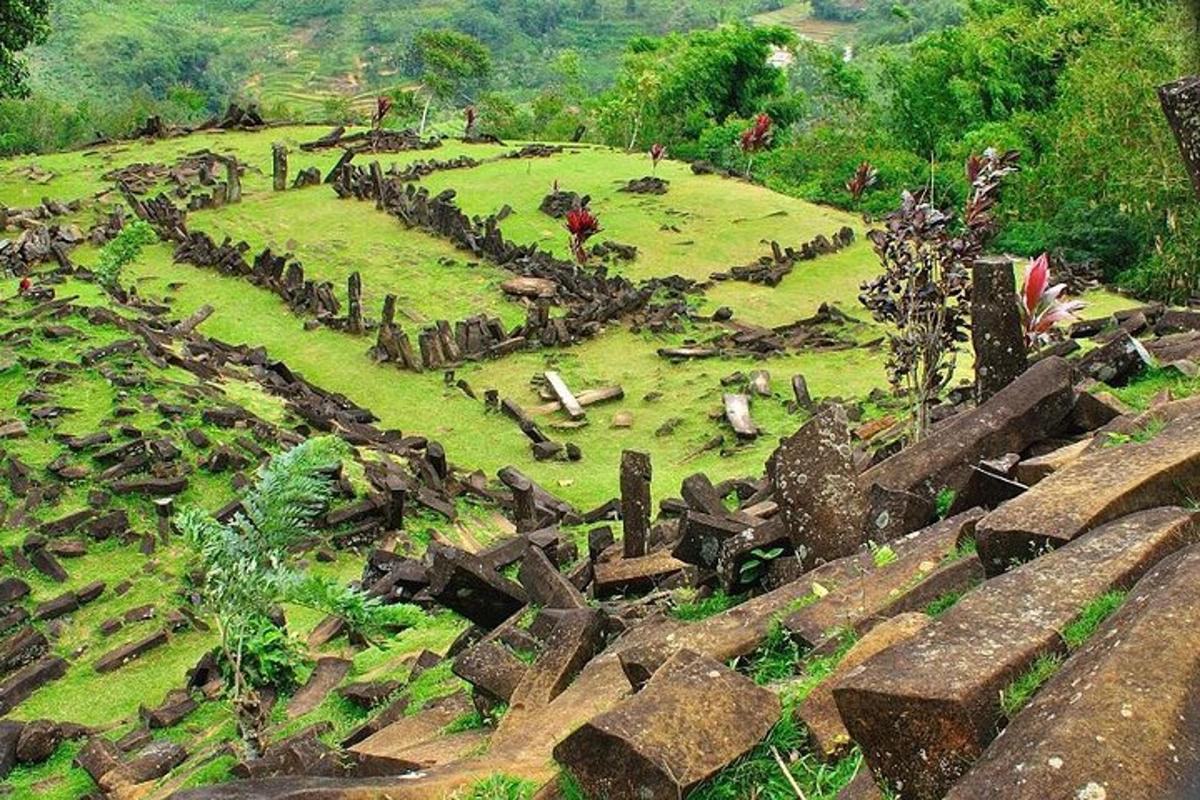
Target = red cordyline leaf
(1037,278)
(582,223)
(758,135)
(864,178)
(1041,308)
(382,106)
(469,115)
(657,153)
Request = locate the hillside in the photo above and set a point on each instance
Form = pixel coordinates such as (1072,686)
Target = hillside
(136,406)
(301,55)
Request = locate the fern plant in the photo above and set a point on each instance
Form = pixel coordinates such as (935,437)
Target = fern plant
(246,573)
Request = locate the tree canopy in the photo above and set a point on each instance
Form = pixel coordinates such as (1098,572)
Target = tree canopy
(22,23)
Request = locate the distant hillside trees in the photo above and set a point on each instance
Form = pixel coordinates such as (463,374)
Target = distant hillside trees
(672,89)
(449,63)
(22,23)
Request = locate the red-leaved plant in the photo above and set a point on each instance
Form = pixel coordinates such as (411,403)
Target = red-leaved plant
(657,153)
(383,105)
(923,291)
(756,138)
(582,224)
(1042,306)
(865,177)
(469,116)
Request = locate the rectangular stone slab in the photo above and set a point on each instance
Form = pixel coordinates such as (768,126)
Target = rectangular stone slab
(115,659)
(740,630)
(924,710)
(858,604)
(28,679)
(819,713)
(1120,718)
(1026,411)
(693,718)
(379,753)
(1105,484)
(461,582)
(575,639)
(635,575)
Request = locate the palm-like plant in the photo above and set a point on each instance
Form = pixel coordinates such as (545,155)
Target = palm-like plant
(245,573)
(582,225)
(865,177)
(1042,306)
(755,138)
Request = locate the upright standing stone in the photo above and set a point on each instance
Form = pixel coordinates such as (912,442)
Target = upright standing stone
(233,181)
(1181,104)
(635,501)
(816,487)
(354,291)
(279,162)
(995,327)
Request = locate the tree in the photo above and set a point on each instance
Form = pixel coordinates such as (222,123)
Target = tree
(671,89)
(449,62)
(246,572)
(22,23)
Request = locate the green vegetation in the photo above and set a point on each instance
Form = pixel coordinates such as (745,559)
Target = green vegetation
(694,610)
(22,23)
(1018,693)
(1096,612)
(121,252)
(943,603)
(247,574)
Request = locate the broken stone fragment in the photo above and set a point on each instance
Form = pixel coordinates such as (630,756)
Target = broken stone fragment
(816,489)
(693,718)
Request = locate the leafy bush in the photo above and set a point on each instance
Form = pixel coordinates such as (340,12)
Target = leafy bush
(122,251)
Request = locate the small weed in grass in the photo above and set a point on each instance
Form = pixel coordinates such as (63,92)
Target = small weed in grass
(776,658)
(501,787)
(882,555)
(1144,434)
(759,775)
(944,502)
(1100,609)
(1022,690)
(693,610)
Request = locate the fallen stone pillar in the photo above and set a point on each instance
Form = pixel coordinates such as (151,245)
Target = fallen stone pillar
(692,719)
(1094,488)
(924,711)
(1120,718)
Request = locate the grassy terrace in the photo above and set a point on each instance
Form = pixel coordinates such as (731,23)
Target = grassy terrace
(702,224)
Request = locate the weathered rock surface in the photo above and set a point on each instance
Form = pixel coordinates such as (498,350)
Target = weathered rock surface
(1028,410)
(1091,490)
(694,717)
(816,488)
(1120,718)
(926,566)
(924,710)
(819,712)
